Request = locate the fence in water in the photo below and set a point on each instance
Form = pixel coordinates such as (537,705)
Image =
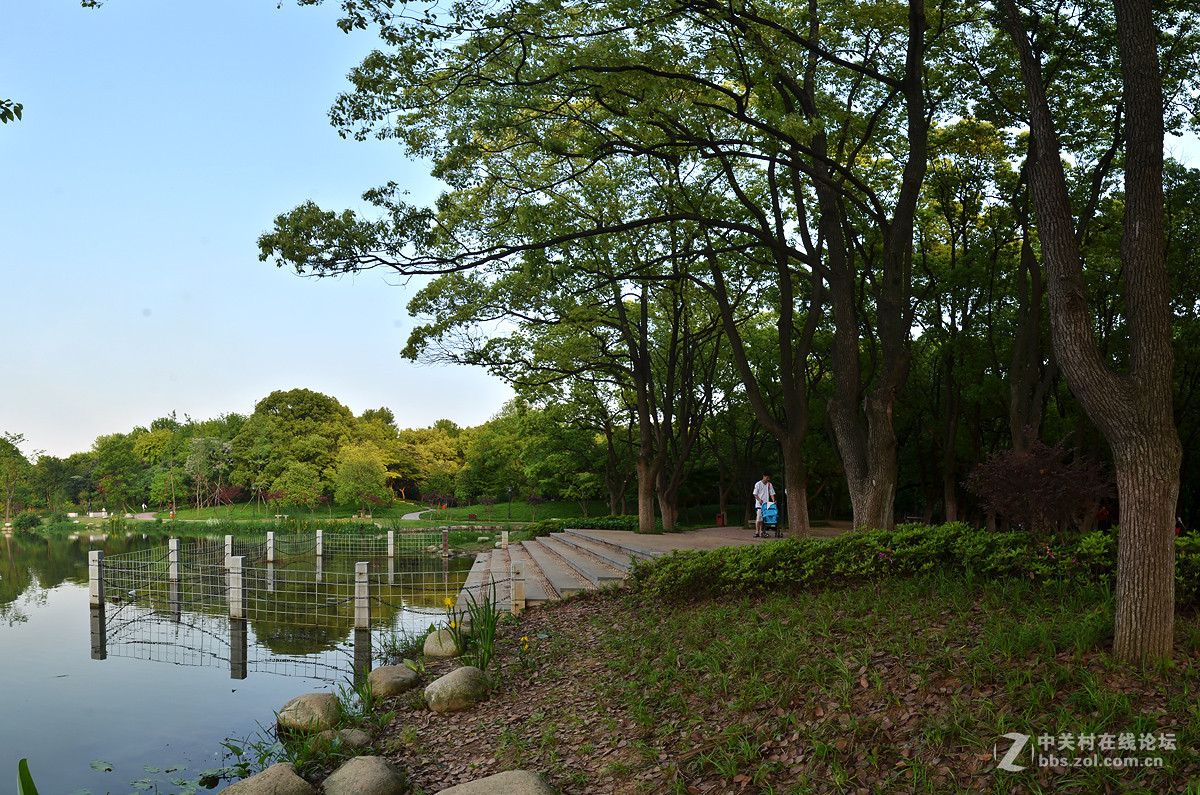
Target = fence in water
(312,603)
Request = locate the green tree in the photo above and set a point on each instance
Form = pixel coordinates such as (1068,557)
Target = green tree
(118,471)
(1132,408)
(361,475)
(10,111)
(14,470)
(299,484)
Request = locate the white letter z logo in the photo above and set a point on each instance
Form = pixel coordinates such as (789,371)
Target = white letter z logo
(1019,741)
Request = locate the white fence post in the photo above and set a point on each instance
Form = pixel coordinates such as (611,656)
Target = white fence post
(320,542)
(504,539)
(517,588)
(391,543)
(228,550)
(237,588)
(362,596)
(96,577)
(270,546)
(173,560)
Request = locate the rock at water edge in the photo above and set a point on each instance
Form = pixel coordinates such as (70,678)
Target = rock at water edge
(392,680)
(365,775)
(280,779)
(310,713)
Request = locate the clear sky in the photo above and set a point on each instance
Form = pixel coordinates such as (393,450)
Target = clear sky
(159,139)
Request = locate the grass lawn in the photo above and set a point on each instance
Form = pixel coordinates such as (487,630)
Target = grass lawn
(904,685)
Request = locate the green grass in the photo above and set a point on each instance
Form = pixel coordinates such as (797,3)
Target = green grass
(898,685)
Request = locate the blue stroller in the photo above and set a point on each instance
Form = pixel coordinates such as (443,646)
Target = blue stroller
(770,514)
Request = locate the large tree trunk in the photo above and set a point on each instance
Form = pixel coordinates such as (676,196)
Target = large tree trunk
(1134,410)
(795,486)
(1147,473)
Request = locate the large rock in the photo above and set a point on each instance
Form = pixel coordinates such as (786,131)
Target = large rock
(355,740)
(392,680)
(310,713)
(460,689)
(365,775)
(510,782)
(280,779)
(441,644)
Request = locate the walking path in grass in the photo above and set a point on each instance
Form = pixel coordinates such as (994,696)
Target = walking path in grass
(414,516)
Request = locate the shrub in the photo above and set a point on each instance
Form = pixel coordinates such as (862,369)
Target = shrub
(803,563)
(27,521)
(548,526)
(1040,489)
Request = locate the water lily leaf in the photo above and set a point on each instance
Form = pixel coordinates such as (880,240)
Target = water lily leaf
(101,766)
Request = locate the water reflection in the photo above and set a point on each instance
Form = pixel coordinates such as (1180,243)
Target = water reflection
(170,701)
(180,605)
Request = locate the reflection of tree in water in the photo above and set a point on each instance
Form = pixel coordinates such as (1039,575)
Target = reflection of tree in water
(291,639)
(29,560)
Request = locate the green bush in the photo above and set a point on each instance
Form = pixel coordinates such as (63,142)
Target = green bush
(799,563)
(548,526)
(27,521)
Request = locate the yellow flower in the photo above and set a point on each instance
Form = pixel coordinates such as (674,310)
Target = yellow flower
(451,625)
(449,602)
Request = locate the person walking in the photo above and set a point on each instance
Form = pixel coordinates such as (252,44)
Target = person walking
(764,492)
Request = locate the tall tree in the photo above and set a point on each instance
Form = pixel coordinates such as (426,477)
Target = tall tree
(1132,408)
(14,469)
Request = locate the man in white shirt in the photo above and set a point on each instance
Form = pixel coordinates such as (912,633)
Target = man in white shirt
(764,492)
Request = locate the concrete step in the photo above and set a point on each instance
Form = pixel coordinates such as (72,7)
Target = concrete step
(587,567)
(609,554)
(477,578)
(561,577)
(600,538)
(535,587)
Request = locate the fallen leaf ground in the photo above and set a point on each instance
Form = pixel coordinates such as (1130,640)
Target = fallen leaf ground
(907,686)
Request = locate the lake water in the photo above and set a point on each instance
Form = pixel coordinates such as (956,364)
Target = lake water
(165,694)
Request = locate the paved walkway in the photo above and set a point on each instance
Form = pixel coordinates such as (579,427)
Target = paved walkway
(704,538)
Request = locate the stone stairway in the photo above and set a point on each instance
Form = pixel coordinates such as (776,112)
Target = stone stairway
(554,566)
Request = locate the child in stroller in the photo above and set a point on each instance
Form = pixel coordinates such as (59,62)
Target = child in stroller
(770,518)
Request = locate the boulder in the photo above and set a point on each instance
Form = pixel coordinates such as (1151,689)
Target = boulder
(510,782)
(441,644)
(310,713)
(351,739)
(458,690)
(280,779)
(481,539)
(365,775)
(392,680)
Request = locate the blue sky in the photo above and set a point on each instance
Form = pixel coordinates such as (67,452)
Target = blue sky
(159,139)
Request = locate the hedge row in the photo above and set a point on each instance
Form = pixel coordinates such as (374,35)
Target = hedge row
(548,526)
(797,563)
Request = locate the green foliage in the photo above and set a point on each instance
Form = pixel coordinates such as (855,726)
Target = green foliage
(25,780)
(27,521)
(484,617)
(803,563)
(548,526)
(400,645)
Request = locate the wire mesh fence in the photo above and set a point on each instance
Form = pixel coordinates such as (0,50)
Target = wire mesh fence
(271,605)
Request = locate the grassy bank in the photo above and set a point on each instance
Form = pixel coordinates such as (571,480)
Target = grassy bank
(902,685)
